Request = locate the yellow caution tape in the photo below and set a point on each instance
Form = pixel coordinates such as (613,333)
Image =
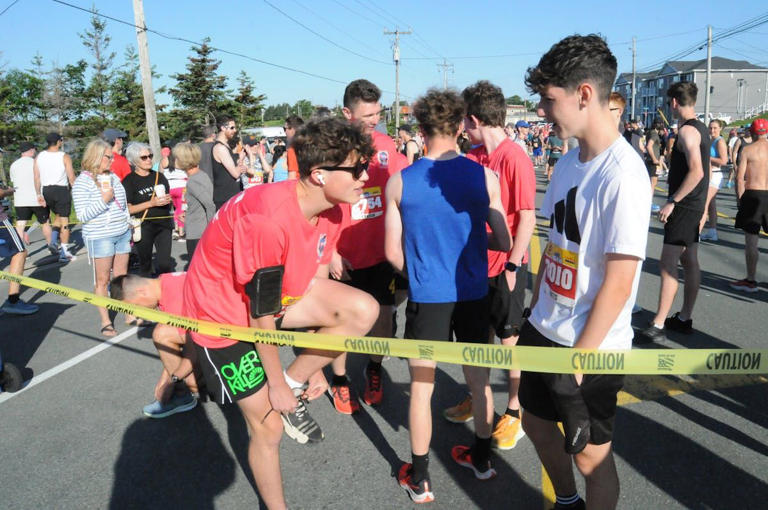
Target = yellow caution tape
(77,222)
(534,359)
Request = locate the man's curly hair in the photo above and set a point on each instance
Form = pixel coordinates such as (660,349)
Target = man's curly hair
(439,112)
(572,61)
(329,141)
(486,101)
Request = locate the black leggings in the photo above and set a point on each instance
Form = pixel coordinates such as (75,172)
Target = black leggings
(158,234)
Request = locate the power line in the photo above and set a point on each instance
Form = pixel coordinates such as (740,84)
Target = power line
(397,22)
(506,55)
(195,43)
(342,31)
(6,9)
(375,22)
(321,36)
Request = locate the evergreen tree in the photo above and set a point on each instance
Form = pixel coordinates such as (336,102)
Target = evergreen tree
(200,93)
(249,106)
(64,95)
(127,97)
(97,94)
(20,100)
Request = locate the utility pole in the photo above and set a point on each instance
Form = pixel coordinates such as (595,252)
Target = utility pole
(146,79)
(634,74)
(709,74)
(396,57)
(445,65)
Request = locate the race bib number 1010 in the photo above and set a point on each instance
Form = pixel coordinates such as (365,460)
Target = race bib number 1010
(560,273)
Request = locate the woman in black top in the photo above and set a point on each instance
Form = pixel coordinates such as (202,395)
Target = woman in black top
(149,201)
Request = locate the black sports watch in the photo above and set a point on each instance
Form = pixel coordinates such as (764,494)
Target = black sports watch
(671,200)
(175,379)
(511,267)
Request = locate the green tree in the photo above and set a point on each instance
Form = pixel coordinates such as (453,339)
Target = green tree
(249,106)
(20,103)
(96,39)
(303,108)
(515,99)
(277,111)
(64,96)
(200,94)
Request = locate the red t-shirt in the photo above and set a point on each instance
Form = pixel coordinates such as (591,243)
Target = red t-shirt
(362,238)
(172,295)
(292,163)
(518,189)
(120,166)
(261,227)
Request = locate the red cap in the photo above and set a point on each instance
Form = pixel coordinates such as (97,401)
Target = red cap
(759,127)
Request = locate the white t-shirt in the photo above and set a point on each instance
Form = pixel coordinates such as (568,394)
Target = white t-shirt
(597,207)
(52,169)
(23,180)
(177,178)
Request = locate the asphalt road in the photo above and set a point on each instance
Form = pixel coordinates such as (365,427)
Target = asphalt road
(75,437)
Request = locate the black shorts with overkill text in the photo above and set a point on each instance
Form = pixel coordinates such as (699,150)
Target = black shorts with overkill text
(231,373)
(467,320)
(378,281)
(587,411)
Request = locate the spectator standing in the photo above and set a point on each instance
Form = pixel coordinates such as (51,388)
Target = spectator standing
(177,180)
(147,193)
(226,170)
(53,176)
(718,161)
(521,134)
(200,208)
(100,203)
(116,139)
(410,149)
(279,168)
(257,169)
(292,123)
(25,196)
(206,148)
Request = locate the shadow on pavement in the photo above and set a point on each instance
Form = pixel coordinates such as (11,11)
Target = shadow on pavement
(681,467)
(175,462)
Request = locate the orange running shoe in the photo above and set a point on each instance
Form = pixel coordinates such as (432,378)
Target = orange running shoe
(344,399)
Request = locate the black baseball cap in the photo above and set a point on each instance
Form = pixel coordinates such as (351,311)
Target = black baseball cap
(25,146)
(250,140)
(112,134)
(52,138)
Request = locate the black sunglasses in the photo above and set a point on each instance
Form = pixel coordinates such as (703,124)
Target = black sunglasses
(146,156)
(356,170)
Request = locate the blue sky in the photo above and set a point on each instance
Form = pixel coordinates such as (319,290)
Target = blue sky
(494,40)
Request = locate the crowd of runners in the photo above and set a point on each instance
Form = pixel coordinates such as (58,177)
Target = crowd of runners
(331,230)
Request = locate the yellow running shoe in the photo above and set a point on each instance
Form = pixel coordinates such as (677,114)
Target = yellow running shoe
(461,412)
(506,433)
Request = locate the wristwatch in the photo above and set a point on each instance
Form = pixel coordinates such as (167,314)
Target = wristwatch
(511,267)
(175,379)
(671,200)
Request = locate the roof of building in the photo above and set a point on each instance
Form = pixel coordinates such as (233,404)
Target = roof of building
(684,66)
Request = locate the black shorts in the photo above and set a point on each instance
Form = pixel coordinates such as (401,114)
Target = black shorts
(25,213)
(506,306)
(58,199)
(11,244)
(468,320)
(401,282)
(753,212)
(378,281)
(552,161)
(652,169)
(231,373)
(682,227)
(587,411)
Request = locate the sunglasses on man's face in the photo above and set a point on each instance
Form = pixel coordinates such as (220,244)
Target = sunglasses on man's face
(146,156)
(356,170)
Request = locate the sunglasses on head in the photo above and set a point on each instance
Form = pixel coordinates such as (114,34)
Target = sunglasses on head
(146,156)
(356,170)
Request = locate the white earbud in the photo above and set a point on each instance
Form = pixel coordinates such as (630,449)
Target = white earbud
(321,179)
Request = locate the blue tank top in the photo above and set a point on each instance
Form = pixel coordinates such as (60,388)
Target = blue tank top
(444,209)
(713,147)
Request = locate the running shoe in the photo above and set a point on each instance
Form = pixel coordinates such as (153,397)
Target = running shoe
(344,399)
(651,334)
(745,285)
(461,412)
(463,457)
(65,257)
(373,393)
(708,234)
(579,505)
(177,404)
(419,492)
(506,433)
(676,324)
(299,425)
(19,308)
(53,249)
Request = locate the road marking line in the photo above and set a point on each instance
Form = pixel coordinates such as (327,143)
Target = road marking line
(70,363)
